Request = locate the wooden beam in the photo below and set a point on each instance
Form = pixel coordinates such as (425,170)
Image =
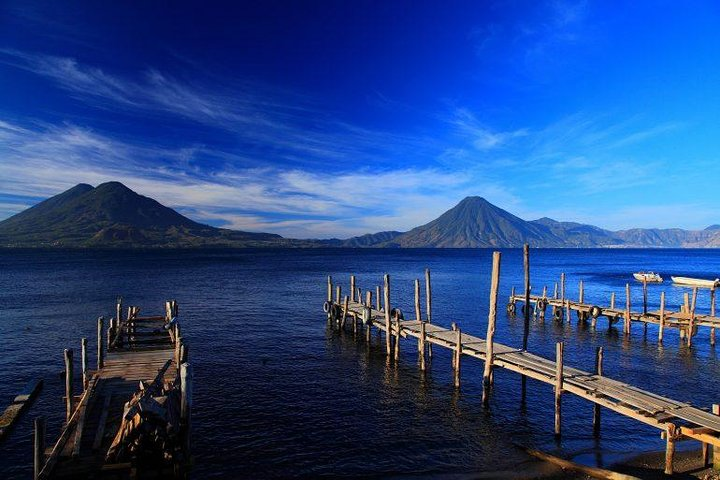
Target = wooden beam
(388,332)
(489,338)
(38,447)
(100,433)
(558,387)
(599,373)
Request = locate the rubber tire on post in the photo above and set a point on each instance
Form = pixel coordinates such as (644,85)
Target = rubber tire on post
(337,313)
(327,306)
(511,308)
(557,313)
(541,304)
(595,311)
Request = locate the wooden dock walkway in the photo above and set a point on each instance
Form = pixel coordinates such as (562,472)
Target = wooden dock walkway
(132,416)
(676,419)
(687,319)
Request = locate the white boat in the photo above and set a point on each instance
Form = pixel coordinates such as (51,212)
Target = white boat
(696,282)
(649,277)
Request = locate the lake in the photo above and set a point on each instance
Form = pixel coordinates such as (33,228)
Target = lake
(277,394)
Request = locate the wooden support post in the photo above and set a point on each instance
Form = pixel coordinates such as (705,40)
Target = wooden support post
(100,360)
(627,309)
(712,314)
(458,354)
(378,298)
(670,437)
(84,362)
(716,450)
(338,294)
(352,288)
(512,294)
(526,324)
(329,289)
(555,292)
(489,338)
(428,306)
(612,300)
(397,337)
(421,343)
(69,400)
(691,328)
(344,312)
(581,296)
(388,330)
(686,302)
(558,387)
(541,311)
(39,447)
(662,317)
(418,313)
(599,373)
(186,400)
(368,299)
(562,287)
(118,311)
(645,296)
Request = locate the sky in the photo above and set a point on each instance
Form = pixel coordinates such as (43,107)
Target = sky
(317,119)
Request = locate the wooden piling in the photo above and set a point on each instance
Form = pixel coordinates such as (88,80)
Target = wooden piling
(612,300)
(526,305)
(599,373)
(558,387)
(338,293)
(581,296)
(421,343)
(645,295)
(378,298)
(69,400)
(555,292)
(346,302)
(662,317)
(627,309)
(458,354)
(712,314)
(38,447)
(670,437)
(352,288)
(368,299)
(84,362)
(329,288)
(118,311)
(691,328)
(489,338)
(716,450)
(397,337)
(100,360)
(428,306)
(562,287)
(388,331)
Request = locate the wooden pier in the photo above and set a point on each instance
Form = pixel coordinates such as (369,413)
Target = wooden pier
(675,419)
(686,319)
(132,416)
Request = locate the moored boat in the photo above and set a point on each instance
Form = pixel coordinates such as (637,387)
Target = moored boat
(696,282)
(649,277)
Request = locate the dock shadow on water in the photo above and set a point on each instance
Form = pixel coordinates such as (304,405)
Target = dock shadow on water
(278,393)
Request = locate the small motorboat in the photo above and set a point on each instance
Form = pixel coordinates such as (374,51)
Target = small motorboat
(696,282)
(649,277)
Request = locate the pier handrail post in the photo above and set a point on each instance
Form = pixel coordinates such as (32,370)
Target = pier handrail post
(458,354)
(558,387)
(428,306)
(627,309)
(692,317)
(68,383)
(492,315)
(716,450)
(378,298)
(526,324)
(84,362)
(712,314)
(599,373)
(670,437)
(38,446)
(100,360)
(388,330)
(352,288)
(329,288)
(662,317)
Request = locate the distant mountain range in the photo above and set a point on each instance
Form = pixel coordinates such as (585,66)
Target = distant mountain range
(112,215)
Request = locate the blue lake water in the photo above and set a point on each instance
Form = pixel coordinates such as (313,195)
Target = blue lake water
(277,394)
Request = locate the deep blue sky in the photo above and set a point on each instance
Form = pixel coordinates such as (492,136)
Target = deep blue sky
(331,118)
